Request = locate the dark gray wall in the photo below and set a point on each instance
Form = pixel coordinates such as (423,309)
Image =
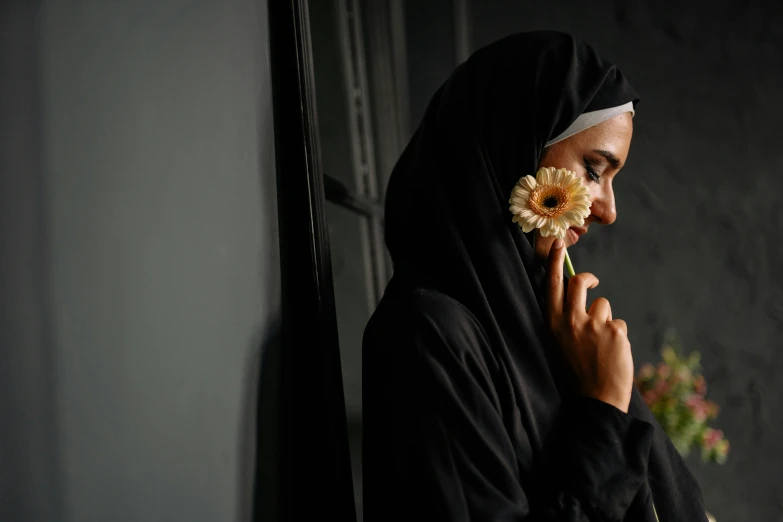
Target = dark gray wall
(429,30)
(698,240)
(139,257)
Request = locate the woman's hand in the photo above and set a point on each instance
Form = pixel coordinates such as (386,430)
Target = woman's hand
(595,345)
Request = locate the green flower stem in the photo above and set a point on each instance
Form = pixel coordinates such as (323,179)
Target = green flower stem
(570,270)
(569,266)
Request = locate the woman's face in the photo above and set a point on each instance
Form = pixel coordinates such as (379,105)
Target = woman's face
(596,154)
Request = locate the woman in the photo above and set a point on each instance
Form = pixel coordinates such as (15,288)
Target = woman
(489,392)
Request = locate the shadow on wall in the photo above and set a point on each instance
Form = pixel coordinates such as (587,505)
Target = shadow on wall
(259,462)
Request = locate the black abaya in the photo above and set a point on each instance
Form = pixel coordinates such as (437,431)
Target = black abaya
(468,411)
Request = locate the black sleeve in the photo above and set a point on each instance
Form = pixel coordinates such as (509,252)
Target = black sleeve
(465,467)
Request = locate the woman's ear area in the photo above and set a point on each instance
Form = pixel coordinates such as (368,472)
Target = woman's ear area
(542,157)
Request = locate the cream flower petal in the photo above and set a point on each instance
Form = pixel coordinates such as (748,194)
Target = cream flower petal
(542,177)
(520,195)
(548,231)
(528,183)
(524,213)
(583,212)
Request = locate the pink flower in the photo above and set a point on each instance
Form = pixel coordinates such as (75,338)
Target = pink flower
(698,407)
(661,388)
(664,370)
(712,437)
(647,371)
(700,385)
(649,397)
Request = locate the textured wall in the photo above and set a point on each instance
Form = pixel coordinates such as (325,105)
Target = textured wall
(139,258)
(698,238)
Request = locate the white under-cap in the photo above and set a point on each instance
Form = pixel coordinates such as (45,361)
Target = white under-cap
(591,119)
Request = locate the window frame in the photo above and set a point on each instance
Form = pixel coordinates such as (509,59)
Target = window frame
(313,471)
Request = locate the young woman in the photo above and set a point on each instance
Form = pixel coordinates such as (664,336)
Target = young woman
(491,391)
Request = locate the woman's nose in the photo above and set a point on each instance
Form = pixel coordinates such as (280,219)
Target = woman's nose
(603,206)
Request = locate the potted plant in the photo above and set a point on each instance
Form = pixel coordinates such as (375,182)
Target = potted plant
(675,390)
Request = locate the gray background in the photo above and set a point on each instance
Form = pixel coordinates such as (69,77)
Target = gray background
(139,259)
(697,243)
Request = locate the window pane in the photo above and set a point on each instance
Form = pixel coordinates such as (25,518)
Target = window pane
(347,231)
(351,295)
(332,95)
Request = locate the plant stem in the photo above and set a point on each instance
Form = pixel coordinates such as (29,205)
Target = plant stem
(571,273)
(569,266)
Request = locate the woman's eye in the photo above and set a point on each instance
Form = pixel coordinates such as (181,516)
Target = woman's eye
(591,172)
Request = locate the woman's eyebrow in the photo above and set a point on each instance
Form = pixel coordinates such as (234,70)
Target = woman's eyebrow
(613,160)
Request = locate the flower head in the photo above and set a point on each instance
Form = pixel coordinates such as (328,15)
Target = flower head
(675,390)
(698,407)
(664,370)
(700,385)
(722,448)
(649,397)
(647,372)
(553,201)
(711,438)
(661,387)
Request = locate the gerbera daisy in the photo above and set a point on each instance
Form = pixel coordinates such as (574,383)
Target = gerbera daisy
(552,202)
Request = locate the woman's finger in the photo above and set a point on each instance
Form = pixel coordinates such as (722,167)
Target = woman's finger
(554,296)
(601,310)
(620,326)
(577,293)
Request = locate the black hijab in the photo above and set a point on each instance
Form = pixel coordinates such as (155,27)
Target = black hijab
(448,227)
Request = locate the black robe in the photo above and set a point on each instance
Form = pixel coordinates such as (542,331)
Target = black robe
(469,413)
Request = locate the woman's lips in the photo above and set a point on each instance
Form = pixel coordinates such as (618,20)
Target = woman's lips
(574,234)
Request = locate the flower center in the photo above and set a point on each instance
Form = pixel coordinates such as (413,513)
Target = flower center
(549,200)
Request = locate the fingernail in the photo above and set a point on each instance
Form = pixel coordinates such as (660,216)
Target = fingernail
(558,244)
